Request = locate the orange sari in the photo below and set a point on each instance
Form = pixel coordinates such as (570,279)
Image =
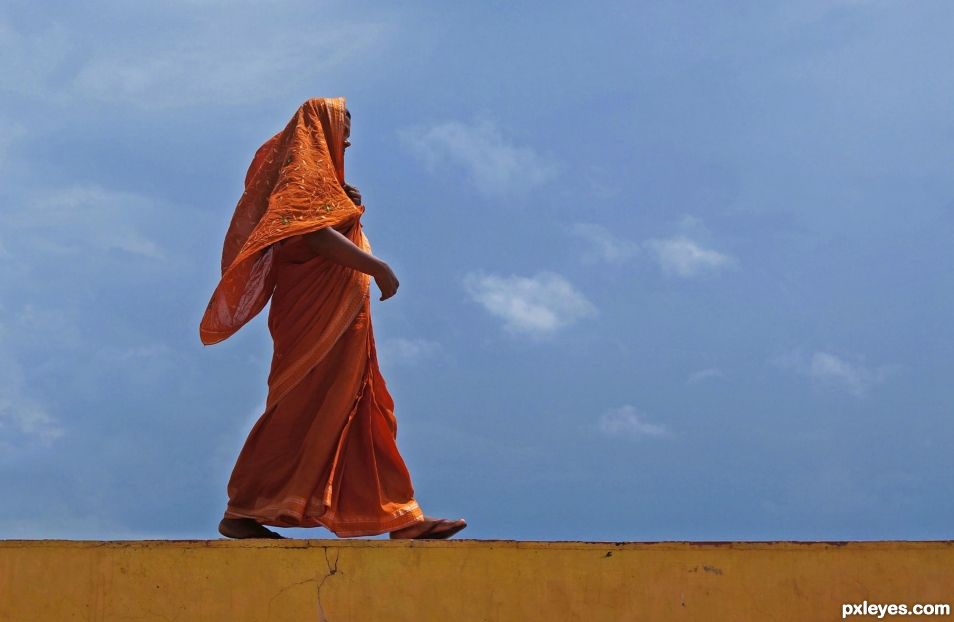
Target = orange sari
(324,452)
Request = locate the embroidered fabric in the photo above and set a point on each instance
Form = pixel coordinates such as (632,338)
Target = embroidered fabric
(293,186)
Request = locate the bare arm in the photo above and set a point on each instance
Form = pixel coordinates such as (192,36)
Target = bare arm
(332,245)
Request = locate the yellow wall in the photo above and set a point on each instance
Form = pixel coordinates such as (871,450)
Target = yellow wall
(463,580)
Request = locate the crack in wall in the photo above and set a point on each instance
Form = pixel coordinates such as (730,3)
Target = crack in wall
(268,614)
(332,571)
(331,566)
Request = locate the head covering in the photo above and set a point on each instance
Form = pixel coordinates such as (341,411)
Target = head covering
(293,186)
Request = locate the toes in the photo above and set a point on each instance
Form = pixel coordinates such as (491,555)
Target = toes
(447,529)
(414,530)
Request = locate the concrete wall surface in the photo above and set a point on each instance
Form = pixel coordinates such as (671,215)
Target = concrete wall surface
(467,580)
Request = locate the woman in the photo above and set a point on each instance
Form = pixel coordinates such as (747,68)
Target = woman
(324,451)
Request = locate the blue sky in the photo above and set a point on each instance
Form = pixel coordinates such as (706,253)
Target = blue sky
(668,271)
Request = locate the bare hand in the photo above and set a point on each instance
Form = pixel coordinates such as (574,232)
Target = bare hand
(353,193)
(386,280)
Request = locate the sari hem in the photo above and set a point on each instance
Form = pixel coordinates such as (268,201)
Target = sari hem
(404,517)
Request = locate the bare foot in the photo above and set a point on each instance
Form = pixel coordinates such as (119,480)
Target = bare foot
(245,528)
(429,529)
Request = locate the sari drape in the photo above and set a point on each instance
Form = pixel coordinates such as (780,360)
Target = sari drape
(324,451)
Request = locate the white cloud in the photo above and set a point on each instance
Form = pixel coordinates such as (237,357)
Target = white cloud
(215,65)
(82,218)
(27,417)
(627,421)
(679,255)
(604,245)
(683,257)
(536,305)
(22,418)
(829,370)
(406,351)
(704,374)
(826,368)
(494,164)
(201,57)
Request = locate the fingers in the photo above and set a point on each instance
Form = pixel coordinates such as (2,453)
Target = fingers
(388,288)
(353,193)
(387,281)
